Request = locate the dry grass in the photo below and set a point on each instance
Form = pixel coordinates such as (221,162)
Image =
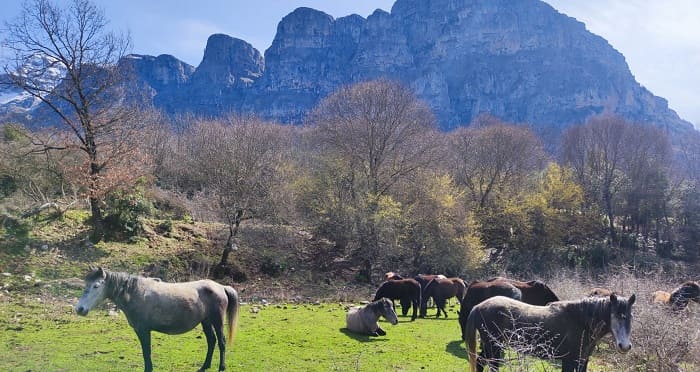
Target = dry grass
(662,341)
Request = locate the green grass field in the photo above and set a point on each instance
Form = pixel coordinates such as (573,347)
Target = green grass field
(290,337)
(50,337)
(39,331)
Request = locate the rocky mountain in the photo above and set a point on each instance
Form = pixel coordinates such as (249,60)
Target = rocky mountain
(519,60)
(16,103)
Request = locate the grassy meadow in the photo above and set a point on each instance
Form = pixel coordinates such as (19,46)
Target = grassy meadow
(290,337)
(284,337)
(301,329)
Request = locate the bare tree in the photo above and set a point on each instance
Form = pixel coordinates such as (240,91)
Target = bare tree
(494,156)
(647,156)
(384,134)
(235,162)
(595,151)
(85,94)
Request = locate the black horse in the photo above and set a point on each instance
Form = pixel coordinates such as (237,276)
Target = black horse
(681,296)
(565,330)
(408,291)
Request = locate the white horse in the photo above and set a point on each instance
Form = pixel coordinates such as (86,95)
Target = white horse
(172,308)
(364,319)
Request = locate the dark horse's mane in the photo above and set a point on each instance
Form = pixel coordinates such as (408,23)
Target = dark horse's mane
(118,283)
(375,306)
(589,307)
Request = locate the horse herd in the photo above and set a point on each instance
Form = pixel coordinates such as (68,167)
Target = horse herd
(526,316)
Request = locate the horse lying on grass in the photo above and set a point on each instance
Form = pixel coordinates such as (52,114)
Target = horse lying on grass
(172,308)
(363,320)
(564,330)
(681,296)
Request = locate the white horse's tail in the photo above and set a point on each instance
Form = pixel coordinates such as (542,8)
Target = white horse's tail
(231,313)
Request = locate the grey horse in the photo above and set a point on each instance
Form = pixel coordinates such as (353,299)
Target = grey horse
(172,308)
(364,319)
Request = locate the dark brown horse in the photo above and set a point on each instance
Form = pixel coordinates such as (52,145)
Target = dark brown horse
(422,279)
(440,290)
(565,330)
(172,308)
(534,292)
(406,290)
(681,296)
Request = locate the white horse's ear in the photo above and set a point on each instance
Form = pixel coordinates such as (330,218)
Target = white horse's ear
(102,273)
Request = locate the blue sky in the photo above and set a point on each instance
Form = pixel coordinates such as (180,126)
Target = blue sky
(660,39)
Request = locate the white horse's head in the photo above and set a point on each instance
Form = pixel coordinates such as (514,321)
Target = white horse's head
(387,311)
(94,292)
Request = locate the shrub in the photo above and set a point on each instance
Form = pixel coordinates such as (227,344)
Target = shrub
(124,214)
(272,266)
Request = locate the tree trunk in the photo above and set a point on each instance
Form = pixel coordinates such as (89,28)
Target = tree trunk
(97,220)
(611,218)
(232,233)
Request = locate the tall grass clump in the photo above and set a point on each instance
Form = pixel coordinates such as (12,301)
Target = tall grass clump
(661,339)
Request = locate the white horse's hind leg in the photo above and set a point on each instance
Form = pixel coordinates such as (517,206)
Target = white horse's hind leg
(219,329)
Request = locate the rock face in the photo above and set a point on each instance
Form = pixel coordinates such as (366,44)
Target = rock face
(163,79)
(519,60)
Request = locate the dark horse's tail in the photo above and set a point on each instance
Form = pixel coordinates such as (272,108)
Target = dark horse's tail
(231,313)
(470,339)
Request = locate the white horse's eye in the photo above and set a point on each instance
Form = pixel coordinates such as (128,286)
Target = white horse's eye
(96,285)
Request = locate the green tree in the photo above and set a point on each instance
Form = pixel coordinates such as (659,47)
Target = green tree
(441,233)
(383,134)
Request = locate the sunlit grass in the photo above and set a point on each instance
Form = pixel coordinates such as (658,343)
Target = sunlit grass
(305,337)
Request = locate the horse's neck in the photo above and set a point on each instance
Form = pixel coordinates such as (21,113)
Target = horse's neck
(375,309)
(595,315)
(120,287)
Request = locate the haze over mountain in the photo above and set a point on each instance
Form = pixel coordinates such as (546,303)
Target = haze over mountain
(520,60)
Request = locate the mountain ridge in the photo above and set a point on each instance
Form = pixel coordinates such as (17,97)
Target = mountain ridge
(519,60)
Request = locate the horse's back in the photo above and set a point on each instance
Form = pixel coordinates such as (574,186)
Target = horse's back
(507,313)
(396,289)
(174,308)
(660,297)
(354,320)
